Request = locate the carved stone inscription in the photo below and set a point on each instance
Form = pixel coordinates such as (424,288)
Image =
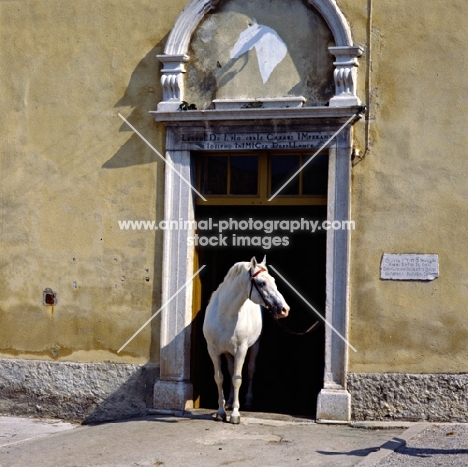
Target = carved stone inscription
(409,267)
(203,140)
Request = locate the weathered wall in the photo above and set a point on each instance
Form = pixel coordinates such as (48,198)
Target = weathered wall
(289,36)
(85,392)
(409,193)
(439,397)
(71,169)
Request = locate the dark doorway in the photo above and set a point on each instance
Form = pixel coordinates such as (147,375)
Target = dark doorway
(289,372)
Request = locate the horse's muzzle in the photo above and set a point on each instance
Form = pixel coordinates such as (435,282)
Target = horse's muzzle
(281,313)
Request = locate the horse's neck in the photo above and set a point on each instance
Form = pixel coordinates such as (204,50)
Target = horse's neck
(231,297)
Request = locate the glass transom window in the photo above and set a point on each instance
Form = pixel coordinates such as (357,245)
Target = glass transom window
(255,178)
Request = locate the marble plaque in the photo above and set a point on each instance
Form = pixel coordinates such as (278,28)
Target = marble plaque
(409,267)
(246,139)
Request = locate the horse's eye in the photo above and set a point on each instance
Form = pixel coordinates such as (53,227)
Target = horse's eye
(261,284)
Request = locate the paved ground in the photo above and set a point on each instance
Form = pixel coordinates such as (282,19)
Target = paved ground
(436,445)
(196,440)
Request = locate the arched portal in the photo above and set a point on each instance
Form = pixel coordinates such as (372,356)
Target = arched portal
(228,125)
(176,55)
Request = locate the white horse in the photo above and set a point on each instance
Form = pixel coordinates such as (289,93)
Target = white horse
(233,323)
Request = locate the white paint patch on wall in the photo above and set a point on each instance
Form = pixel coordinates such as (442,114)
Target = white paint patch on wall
(269,47)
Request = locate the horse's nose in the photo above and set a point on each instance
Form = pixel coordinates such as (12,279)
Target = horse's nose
(284,312)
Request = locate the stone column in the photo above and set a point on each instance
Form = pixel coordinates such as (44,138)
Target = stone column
(334,401)
(174,390)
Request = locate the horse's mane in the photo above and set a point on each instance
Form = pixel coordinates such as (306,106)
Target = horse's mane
(235,271)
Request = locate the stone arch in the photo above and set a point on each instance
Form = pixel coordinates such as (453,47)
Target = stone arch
(179,38)
(175,53)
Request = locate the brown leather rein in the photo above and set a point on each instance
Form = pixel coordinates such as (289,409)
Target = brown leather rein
(278,321)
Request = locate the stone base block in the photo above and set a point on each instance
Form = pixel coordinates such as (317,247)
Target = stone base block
(439,397)
(84,392)
(169,106)
(334,405)
(344,101)
(173,395)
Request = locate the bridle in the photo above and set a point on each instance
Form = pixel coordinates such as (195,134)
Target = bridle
(254,284)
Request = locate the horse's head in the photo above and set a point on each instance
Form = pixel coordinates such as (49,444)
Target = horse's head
(263,290)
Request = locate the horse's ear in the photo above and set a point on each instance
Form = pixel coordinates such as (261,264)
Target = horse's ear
(263,263)
(253,262)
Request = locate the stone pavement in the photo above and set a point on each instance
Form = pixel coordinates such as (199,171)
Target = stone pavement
(261,440)
(430,445)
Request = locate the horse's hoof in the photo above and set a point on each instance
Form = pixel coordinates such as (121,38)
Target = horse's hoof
(220,418)
(235,419)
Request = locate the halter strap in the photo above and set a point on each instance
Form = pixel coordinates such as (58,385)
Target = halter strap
(280,324)
(253,283)
(257,273)
(290,331)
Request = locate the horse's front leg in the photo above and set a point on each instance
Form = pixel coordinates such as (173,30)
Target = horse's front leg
(239,359)
(218,376)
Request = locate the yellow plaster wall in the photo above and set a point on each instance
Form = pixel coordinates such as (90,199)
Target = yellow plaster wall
(71,169)
(410,191)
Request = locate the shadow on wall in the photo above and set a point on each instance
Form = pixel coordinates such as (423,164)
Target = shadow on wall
(132,389)
(131,399)
(142,95)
